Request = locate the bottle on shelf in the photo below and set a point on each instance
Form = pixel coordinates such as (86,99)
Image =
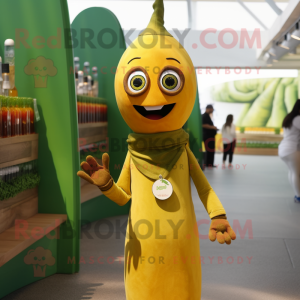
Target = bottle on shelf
(31,115)
(76,81)
(11,104)
(18,117)
(5,77)
(25,117)
(83,110)
(96,84)
(6,119)
(1,116)
(9,58)
(76,63)
(79,89)
(86,68)
(79,113)
(1,79)
(90,91)
(85,86)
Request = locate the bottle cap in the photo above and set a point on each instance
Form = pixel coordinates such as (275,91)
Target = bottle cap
(5,68)
(76,58)
(86,64)
(95,69)
(80,73)
(9,42)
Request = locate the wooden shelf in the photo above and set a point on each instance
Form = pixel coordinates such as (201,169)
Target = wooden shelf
(22,206)
(89,191)
(259,137)
(256,151)
(18,150)
(92,132)
(10,246)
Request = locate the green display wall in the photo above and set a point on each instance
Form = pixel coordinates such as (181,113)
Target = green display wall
(98,38)
(41,30)
(194,127)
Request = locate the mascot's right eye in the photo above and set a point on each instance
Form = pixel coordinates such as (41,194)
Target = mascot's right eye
(136,81)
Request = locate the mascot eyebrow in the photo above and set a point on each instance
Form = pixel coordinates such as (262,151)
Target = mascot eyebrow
(171,58)
(133,59)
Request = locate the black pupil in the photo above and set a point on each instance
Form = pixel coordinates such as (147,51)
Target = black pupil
(137,82)
(170,81)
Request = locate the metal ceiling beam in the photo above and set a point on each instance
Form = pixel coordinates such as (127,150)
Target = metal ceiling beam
(252,14)
(273,5)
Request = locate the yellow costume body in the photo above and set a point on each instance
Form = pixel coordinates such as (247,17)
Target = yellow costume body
(155,90)
(159,265)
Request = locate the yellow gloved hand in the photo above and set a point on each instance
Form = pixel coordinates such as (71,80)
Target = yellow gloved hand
(95,173)
(220,229)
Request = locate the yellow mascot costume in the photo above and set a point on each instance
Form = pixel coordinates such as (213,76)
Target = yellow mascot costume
(155,87)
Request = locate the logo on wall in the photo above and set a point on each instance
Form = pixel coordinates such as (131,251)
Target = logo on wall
(40,68)
(39,258)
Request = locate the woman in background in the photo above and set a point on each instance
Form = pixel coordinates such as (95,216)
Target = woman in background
(289,148)
(228,137)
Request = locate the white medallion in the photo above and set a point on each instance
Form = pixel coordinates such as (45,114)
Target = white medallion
(162,189)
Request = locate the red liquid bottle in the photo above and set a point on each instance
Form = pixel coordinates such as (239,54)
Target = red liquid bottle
(6,122)
(79,108)
(25,117)
(31,115)
(18,117)
(11,104)
(1,99)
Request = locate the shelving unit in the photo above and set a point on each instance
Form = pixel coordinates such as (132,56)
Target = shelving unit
(92,132)
(44,224)
(22,206)
(244,137)
(259,137)
(18,150)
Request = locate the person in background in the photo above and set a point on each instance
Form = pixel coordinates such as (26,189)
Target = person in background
(289,148)
(209,132)
(229,139)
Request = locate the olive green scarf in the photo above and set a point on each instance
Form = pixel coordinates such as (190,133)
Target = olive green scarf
(157,153)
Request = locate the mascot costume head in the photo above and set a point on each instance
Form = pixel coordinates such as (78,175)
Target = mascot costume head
(156,83)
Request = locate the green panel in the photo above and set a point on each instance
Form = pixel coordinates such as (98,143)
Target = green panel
(93,21)
(59,190)
(194,127)
(21,271)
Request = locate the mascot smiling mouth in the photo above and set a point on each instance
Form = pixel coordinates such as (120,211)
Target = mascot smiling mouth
(154,112)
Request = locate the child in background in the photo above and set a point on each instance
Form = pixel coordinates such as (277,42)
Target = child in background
(229,138)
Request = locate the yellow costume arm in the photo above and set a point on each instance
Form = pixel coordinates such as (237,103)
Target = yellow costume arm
(206,193)
(120,192)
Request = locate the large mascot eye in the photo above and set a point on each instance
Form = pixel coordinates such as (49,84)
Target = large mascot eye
(171,80)
(136,81)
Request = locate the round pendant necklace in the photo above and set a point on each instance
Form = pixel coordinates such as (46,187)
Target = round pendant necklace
(162,189)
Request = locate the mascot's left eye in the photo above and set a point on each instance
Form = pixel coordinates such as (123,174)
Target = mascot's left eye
(170,80)
(137,81)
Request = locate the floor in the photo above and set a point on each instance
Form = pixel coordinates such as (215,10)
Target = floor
(262,264)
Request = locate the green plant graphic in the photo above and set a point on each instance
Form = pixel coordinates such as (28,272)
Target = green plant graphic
(40,68)
(164,181)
